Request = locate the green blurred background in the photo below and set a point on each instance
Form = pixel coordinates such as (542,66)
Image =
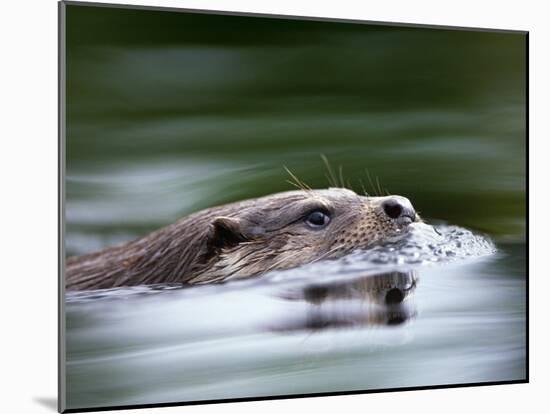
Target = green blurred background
(168,113)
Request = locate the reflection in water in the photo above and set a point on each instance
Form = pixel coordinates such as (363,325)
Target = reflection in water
(377,299)
(386,288)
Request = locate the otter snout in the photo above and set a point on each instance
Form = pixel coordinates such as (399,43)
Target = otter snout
(399,209)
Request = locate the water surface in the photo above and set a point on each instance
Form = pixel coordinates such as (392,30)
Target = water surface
(400,315)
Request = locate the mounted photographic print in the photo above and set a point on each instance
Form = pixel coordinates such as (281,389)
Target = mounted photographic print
(257,206)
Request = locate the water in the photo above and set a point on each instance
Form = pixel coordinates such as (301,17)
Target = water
(169,114)
(405,314)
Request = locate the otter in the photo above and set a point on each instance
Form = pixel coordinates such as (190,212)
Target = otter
(247,238)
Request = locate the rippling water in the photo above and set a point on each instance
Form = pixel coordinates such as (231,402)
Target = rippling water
(405,314)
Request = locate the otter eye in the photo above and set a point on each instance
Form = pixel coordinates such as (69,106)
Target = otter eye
(317,219)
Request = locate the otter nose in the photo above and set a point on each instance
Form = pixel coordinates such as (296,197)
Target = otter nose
(399,207)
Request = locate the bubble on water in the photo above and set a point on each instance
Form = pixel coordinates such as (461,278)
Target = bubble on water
(429,244)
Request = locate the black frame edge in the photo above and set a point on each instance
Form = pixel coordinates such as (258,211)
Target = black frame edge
(290,17)
(291,396)
(527,278)
(61,79)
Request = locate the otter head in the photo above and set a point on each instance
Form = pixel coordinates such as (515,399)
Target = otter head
(298,227)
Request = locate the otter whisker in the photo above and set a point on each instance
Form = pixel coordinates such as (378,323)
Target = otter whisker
(341,175)
(371,182)
(332,180)
(329,179)
(379,187)
(363,188)
(299,187)
(326,253)
(276,264)
(298,182)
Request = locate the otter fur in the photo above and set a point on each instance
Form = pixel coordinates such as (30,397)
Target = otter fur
(247,238)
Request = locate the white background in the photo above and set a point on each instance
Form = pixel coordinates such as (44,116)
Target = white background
(28,203)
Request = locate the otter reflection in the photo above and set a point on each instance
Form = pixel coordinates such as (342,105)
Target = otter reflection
(378,299)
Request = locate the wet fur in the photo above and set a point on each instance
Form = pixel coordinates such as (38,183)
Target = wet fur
(238,240)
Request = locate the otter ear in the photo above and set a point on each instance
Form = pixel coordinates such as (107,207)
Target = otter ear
(226,232)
